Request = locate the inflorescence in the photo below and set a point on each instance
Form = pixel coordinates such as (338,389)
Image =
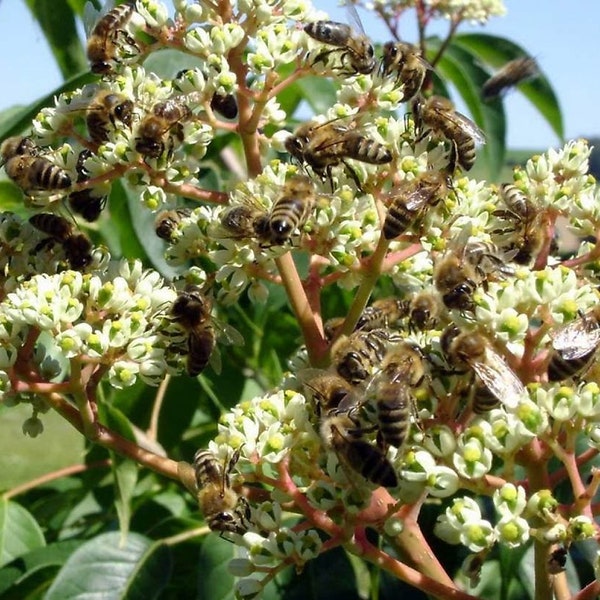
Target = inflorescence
(499,386)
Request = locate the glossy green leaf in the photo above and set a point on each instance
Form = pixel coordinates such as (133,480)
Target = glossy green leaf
(214,580)
(316,582)
(126,476)
(19,531)
(102,568)
(496,51)
(318,92)
(26,576)
(122,224)
(11,198)
(57,21)
(463,70)
(19,120)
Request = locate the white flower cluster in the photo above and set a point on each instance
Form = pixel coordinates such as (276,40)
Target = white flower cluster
(110,319)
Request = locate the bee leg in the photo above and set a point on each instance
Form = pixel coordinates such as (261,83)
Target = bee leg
(352,173)
(45,243)
(453,158)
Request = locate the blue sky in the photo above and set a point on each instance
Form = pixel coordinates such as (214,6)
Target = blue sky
(561,35)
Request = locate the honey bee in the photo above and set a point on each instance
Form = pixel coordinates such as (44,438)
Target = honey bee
(423,311)
(223,508)
(438,115)
(291,209)
(192,311)
(167,222)
(412,200)
(18,145)
(462,269)
(511,74)
(355,49)
(330,392)
(402,370)
(456,281)
(341,434)
(574,346)
(158,130)
(467,350)
(107,36)
(33,173)
(356,356)
(105,109)
(526,227)
(225,105)
(382,313)
(246,221)
(85,202)
(76,245)
(406,62)
(323,146)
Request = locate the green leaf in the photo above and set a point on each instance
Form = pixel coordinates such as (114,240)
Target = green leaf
(57,21)
(19,532)
(27,575)
(215,582)
(102,568)
(462,68)
(11,198)
(316,582)
(496,51)
(319,93)
(18,121)
(121,222)
(126,475)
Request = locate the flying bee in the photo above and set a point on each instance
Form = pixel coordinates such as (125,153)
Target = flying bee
(191,310)
(85,202)
(405,61)
(356,356)
(343,435)
(525,229)
(355,50)
(574,346)
(323,146)
(291,210)
(158,130)
(225,105)
(105,109)
(511,74)
(438,115)
(76,245)
(167,222)
(107,38)
(223,508)
(411,200)
(471,351)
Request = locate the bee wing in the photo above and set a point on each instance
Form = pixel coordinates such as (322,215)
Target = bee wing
(215,360)
(227,334)
(576,339)
(418,199)
(91,15)
(500,379)
(467,125)
(354,17)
